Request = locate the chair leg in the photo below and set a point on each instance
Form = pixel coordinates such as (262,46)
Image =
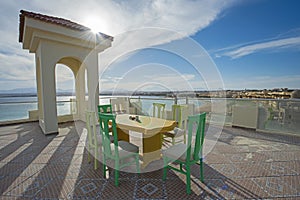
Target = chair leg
(188,179)
(201,170)
(104,167)
(116,173)
(89,152)
(137,164)
(95,159)
(116,177)
(165,169)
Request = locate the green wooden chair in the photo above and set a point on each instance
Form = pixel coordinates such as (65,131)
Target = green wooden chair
(105,108)
(186,154)
(93,140)
(159,110)
(117,151)
(180,115)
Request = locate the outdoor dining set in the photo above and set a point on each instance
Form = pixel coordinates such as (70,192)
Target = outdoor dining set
(110,142)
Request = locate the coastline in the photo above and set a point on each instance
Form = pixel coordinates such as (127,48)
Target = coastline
(277,93)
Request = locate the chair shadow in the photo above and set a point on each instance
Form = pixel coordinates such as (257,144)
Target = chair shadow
(215,186)
(225,187)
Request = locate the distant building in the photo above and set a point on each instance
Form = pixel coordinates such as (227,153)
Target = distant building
(295,94)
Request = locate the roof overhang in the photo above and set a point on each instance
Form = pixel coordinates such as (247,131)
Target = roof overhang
(36,27)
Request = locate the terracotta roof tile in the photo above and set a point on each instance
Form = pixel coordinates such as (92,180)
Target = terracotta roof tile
(52,20)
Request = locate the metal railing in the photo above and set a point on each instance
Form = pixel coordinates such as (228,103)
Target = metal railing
(274,115)
(10,111)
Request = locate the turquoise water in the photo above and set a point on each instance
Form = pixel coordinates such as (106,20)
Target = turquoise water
(14,108)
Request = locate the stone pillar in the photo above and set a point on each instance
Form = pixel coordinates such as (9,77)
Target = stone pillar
(91,63)
(47,92)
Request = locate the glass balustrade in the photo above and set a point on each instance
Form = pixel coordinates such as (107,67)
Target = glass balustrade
(272,115)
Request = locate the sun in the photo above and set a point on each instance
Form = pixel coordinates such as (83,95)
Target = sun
(96,24)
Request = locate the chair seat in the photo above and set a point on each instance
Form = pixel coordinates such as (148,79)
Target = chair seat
(174,133)
(178,152)
(128,146)
(125,149)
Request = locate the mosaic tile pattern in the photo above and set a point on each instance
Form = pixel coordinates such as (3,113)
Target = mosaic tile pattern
(243,164)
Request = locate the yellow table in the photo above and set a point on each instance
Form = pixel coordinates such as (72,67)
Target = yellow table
(151,129)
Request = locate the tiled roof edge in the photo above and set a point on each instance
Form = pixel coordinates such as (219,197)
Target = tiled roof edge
(52,20)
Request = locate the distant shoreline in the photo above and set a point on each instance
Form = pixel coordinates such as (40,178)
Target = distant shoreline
(29,94)
(280,93)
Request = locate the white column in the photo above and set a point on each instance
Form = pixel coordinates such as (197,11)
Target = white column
(48,119)
(80,92)
(92,80)
(38,86)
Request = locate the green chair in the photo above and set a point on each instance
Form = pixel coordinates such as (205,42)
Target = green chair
(117,151)
(186,154)
(105,108)
(159,110)
(93,140)
(180,115)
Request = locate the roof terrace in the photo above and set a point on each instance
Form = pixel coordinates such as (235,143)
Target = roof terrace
(244,164)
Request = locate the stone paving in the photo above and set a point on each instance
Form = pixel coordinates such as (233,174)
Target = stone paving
(243,164)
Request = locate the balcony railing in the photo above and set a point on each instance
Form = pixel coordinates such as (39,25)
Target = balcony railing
(272,115)
(27,110)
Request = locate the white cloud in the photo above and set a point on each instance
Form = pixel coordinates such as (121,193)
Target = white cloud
(16,67)
(114,18)
(273,45)
(152,76)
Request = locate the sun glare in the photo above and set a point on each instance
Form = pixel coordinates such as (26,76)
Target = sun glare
(96,24)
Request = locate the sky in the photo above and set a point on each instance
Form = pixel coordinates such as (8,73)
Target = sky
(169,45)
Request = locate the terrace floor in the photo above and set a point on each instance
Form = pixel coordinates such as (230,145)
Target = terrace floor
(243,164)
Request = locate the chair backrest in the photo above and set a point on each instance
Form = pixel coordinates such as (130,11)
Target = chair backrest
(196,123)
(159,110)
(106,119)
(120,105)
(105,108)
(91,127)
(180,115)
(137,105)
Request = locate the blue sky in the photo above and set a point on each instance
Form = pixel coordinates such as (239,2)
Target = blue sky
(260,25)
(253,44)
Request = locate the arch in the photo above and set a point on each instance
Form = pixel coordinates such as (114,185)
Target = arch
(64,76)
(78,69)
(59,41)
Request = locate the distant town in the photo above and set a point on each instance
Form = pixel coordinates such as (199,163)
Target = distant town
(277,93)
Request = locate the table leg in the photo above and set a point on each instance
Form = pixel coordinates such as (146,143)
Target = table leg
(151,149)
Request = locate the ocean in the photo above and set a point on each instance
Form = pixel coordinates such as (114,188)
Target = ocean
(15,107)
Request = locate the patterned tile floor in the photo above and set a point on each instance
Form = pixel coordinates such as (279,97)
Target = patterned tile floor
(243,164)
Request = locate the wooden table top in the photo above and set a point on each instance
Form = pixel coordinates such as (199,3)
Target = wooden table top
(147,125)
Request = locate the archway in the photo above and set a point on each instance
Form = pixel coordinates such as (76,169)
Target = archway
(59,41)
(65,91)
